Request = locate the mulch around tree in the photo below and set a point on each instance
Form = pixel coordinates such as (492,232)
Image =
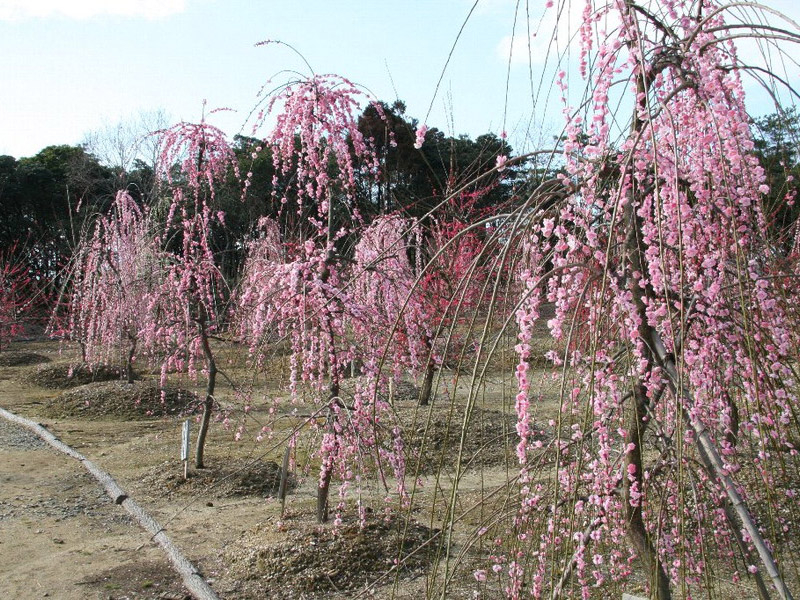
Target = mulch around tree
(220,479)
(21,359)
(490,439)
(300,559)
(59,376)
(432,433)
(122,400)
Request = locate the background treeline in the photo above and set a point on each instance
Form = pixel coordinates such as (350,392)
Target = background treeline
(47,201)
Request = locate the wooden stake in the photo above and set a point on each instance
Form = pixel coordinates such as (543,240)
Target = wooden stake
(284,479)
(185,434)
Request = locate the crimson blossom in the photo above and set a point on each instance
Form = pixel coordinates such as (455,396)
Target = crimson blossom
(415,286)
(15,290)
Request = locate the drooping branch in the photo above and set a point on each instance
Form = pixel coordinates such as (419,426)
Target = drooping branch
(713,461)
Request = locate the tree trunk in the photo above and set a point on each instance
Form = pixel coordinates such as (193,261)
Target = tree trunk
(129,363)
(427,381)
(208,403)
(709,455)
(637,533)
(324,489)
(323,494)
(427,384)
(284,479)
(712,461)
(657,354)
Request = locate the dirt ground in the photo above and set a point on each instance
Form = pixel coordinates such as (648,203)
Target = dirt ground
(62,537)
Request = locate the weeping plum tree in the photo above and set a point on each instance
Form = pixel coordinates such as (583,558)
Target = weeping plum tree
(114,270)
(15,297)
(395,324)
(452,282)
(183,313)
(678,414)
(138,290)
(298,292)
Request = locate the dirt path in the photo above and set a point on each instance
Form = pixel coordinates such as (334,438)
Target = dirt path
(62,537)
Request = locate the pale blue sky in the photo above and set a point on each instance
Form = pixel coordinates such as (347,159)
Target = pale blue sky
(64,75)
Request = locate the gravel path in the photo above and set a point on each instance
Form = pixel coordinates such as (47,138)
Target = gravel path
(79,495)
(14,437)
(61,536)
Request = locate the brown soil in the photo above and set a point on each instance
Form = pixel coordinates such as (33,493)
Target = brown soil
(61,537)
(62,375)
(19,359)
(121,400)
(90,549)
(315,562)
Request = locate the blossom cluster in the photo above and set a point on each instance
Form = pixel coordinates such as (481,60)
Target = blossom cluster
(659,241)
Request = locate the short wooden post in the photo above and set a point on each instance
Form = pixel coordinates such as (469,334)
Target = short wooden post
(284,479)
(185,447)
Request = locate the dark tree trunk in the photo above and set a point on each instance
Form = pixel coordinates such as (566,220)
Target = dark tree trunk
(129,364)
(427,383)
(324,489)
(430,370)
(637,533)
(208,403)
(636,425)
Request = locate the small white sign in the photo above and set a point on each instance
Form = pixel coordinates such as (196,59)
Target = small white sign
(185,440)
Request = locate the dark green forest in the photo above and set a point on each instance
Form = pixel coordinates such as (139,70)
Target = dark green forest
(47,201)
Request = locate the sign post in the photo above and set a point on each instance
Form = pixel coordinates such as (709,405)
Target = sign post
(185,448)
(284,480)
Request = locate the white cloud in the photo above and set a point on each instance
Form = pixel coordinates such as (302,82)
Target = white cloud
(15,10)
(516,48)
(550,29)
